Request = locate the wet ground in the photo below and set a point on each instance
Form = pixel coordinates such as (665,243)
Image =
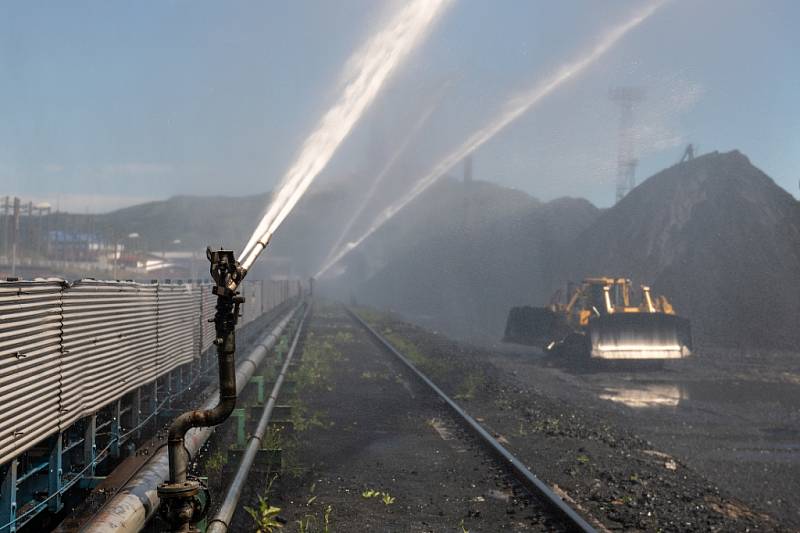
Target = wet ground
(631,447)
(732,417)
(370,450)
(698,446)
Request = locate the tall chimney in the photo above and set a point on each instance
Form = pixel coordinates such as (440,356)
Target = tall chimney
(468,169)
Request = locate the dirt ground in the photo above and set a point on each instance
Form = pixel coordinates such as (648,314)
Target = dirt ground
(734,419)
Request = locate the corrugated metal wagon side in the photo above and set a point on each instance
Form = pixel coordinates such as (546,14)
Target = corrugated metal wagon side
(30,363)
(110,343)
(177,317)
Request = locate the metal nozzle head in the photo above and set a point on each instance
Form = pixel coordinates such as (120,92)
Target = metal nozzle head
(225,270)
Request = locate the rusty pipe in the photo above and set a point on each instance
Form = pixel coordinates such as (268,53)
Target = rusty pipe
(221,521)
(225,321)
(226,271)
(182,507)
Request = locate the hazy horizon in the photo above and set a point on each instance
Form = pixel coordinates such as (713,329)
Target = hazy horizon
(111,105)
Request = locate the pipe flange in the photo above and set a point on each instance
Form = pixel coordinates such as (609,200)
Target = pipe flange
(186,489)
(183,504)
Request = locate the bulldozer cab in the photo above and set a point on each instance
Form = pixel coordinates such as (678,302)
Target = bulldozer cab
(601,296)
(595,299)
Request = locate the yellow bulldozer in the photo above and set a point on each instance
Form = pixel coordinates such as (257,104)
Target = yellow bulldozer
(599,320)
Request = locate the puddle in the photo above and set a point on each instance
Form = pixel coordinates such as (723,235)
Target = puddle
(643,395)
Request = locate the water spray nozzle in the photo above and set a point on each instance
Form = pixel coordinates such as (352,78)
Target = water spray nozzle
(180,506)
(226,271)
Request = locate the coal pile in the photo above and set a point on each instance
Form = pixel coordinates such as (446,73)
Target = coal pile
(717,236)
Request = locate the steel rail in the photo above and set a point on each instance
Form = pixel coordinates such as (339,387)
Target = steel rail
(135,503)
(222,520)
(527,478)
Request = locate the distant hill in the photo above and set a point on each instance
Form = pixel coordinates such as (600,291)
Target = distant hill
(314,225)
(195,220)
(228,221)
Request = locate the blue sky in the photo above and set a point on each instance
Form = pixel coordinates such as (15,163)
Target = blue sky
(107,103)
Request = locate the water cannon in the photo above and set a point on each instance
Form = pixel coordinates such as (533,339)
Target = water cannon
(226,272)
(185,500)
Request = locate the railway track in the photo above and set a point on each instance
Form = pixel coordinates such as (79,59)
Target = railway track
(568,517)
(376,445)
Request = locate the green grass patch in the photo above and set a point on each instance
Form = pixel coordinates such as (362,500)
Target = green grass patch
(470,386)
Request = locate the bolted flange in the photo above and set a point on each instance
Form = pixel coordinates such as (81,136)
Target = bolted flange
(183,504)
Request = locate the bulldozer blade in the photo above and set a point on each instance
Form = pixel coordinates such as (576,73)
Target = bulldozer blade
(533,326)
(641,336)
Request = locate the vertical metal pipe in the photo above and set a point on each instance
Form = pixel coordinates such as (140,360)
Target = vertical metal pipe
(226,348)
(8,502)
(54,474)
(136,411)
(221,521)
(170,379)
(152,403)
(15,237)
(116,425)
(90,444)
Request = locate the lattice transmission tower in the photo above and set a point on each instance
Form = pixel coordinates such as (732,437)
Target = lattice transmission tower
(626,98)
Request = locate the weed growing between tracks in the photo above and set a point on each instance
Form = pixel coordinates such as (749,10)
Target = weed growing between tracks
(266,515)
(470,381)
(382,496)
(316,517)
(377,376)
(303,420)
(312,522)
(312,375)
(273,440)
(319,356)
